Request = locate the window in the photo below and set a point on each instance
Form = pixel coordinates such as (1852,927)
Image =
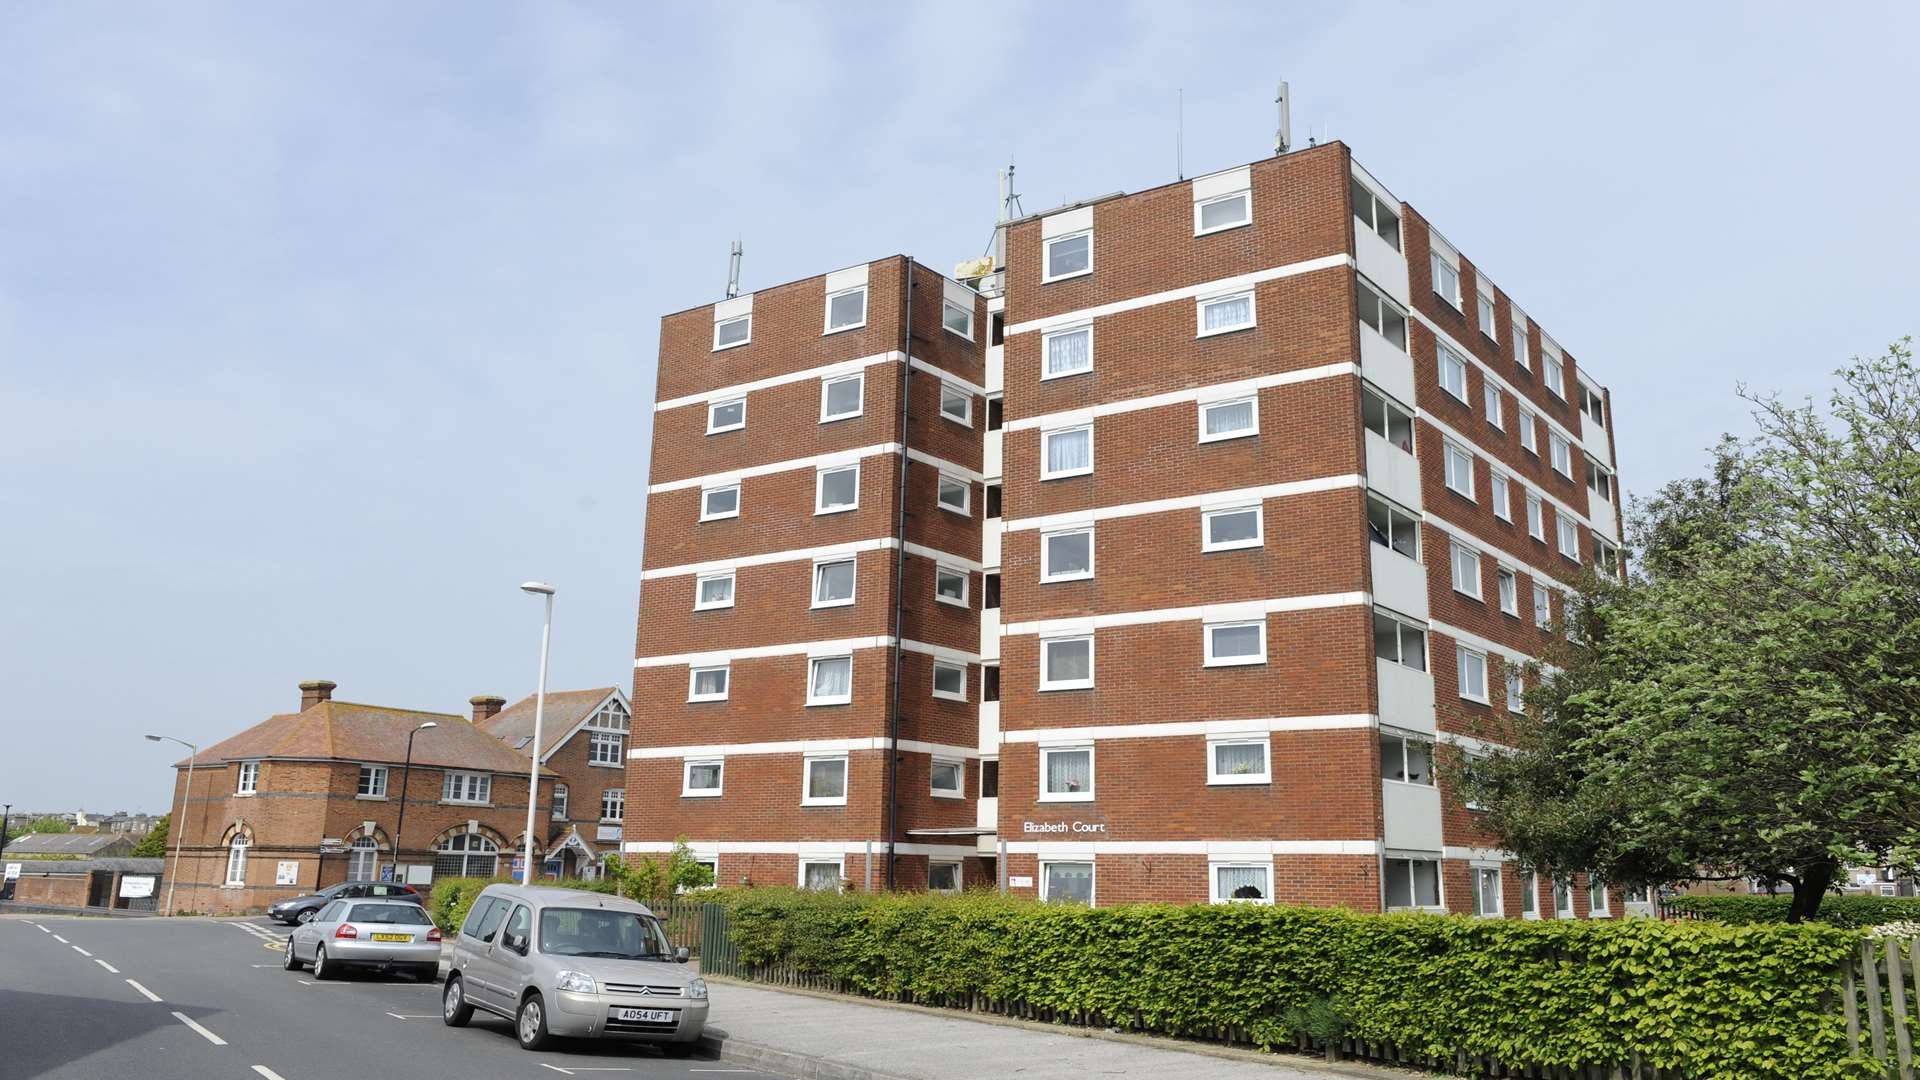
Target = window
(1229,419)
(837,489)
(1446,278)
(468,855)
(996,414)
(1398,641)
(730,332)
(948,778)
(1606,555)
(1381,315)
(707,683)
(1562,454)
(820,875)
(1453,373)
(1374,214)
(1488,325)
(1521,352)
(1459,466)
(990,589)
(957,318)
(1516,688)
(1536,518)
(826,782)
(1594,404)
(953,494)
(1413,883)
(1487,901)
(373,782)
(1223,212)
(1405,760)
(1562,899)
(726,415)
(990,682)
(1066,663)
(847,309)
(1472,668)
(1067,352)
(1542,606)
(1066,882)
(1231,529)
(1067,452)
(994,508)
(237,861)
(990,778)
(559,811)
(1391,527)
(943,877)
(720,502)
(1068,256)
(1239,761)
(1241,883)
(1386,418)
(1599,481)
(950,585)
(363,860)
(949,680)
(956,404)
(1066,774)
(1552,369)
(1509,588)
(702,779)
(842,398)
(713,591)
(1502,497)
(1236,644)
(613,805)
(1528,441)
(1224,314)
(1066,555)
(606,747)
(249,781)
(1569,535)
(466,787)
(996,328)
(830,680)
(1529,894)
(1492,395)
(1596,899)
(1466,570)
(833,582)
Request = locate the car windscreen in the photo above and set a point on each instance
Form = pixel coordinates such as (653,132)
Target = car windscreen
(613,935)
(403,914)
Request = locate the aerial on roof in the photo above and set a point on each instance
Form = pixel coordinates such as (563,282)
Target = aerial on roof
(566,710)
(67,843)
(346,731)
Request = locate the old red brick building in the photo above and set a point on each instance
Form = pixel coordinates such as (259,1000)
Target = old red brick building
(1156,562)
(585,738)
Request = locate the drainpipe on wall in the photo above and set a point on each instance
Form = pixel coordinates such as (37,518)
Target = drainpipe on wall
(899,570)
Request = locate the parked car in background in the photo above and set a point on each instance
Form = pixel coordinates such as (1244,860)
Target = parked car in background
(567,963)
(381,934)
(301,908)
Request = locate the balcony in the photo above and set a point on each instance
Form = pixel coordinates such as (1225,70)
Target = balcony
(1378,260)
(1412,815)
(990,542)
(1594,437)
(990,634)
(989,727)
(990,461)
(996,369)
(1393,472)
(1406,696)
(1385,364)
(1398,582)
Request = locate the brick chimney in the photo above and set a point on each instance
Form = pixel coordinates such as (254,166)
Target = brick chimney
(315,691)
(485,705)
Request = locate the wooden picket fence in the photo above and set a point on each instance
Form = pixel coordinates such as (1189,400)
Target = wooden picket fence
(1883,983)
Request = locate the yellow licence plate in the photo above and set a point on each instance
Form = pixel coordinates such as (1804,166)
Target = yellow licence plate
(393,937)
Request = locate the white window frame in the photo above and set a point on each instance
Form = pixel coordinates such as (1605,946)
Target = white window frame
(1516,687)
(1461,656)
(1450,453)
(1553,372)
(1046,644)
(837,699)
(1501,495)
(1259,539)
(247,779)
(613,805)
(826,323)
(1046,350)
(705,493)
(377,788)
(1402,626)
(1406,739)
(1536,518)
(1439,884)
(1568,535)
(1068,796)
(693,681)
(820,489)
(1217,778)
(1478,872)
(1490,392)
(1529,881)
(1211,660)
(1238,433)
(949,665)
(1460,555)
(1049,436)
(966,579)
(558,811)
(747,318)
(715,406)
(1213,880)
(1560,453)
(688,791)
(859,377)
(966,313)
(949,392)
(960,774)
(965,509)
(1542,606)
(699,589)
(1529,437)
(1560,911)
(1507,588)
(1522,355)
(237,862)
(1201,305)
(1244,196)
(1488,310)
(607,748)
(838,862)
(1446,362)
(837,560)
(1046,257)
(466,787)
(807,797)
(959,875)
(1604,909)
(1047,576)
(1438,259)
(1093,876)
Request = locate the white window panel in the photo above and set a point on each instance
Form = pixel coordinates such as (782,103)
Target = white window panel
(950,585)
(830,680)
(720,502)
(237,861)
(1516,688)
(953,494)
(606,748)
(1488,324)
(1569,536)
(1233,419)
(957,318)
(707,683)
(1223,212)
(847,309)
(1502,497)
(1509,586)
(1066,663)
(474,788)
(1386,418)
(824,781)
(1529,441)
(947,778)
(1536,518)
(712,591)
(1562,454)
(1239,761)
(702,779)
(728,415)
(956,404)
(1066,773)
(821,875)
(613,805)
(1596,899)
(1446,278)
(842,398)
(1066,882)
(1472,669)
(1375,213)
(1235,644)
(949,680)
(1529,894)
(1453,373)
(729,333)
(1553,371)
(373,782)
(1562,899)
(1381,314)
(1068,256)
(1230,529)
(1466,570)
(833,582)
(1406,760)
(1223,314)
(249,778)
(1412,883)
(1066,452)
(1399,641)
(1066,555)
(1393,528)
(1066,352)
(837,489)
(1459,470)
(1240,883)
(1488,903)
(1522,351)
(1542,606)
(1492,396)
(944,877)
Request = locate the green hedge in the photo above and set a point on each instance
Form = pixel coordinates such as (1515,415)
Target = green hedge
(1701,999)
(1852,912)
(452,896)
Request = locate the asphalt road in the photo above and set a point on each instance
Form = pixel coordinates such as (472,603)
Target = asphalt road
(206,999)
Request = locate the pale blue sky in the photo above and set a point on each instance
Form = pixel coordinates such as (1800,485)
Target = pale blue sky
(322,327)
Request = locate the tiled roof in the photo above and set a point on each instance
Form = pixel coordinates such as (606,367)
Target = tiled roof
(345,731)
(565,710)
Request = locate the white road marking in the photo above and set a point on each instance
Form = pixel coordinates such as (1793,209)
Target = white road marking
(106,965)
(268,1073)
(556,1068)
(42,929)
(151,996)
(208,1035)
(81,951)
(61,940)
(413,1016)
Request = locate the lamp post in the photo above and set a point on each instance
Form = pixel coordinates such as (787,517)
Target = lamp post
(179,827)
(406,774)
(537,588)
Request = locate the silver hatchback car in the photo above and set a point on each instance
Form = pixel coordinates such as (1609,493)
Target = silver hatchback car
(385,935)
(562,962)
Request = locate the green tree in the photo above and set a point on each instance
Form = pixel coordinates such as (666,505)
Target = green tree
(652,881)
(154,844)
(1748,705)
(49,825)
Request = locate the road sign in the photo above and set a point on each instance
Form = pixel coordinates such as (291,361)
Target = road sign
(13,871)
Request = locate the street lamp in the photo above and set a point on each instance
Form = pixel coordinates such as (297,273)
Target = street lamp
(406,773)
(537,588)
(179,827)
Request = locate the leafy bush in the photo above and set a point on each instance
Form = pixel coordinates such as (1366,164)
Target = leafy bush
(1702,999)
(452,896)
(1851,912)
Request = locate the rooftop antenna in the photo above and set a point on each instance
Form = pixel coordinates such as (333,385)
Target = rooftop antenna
(733,269)
(1180,138)
(1009,202)
(1283,136)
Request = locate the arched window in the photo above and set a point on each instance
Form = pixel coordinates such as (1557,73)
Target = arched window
(363,861)
(237,860)
(465,855)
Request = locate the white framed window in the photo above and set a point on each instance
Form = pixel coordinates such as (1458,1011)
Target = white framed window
(842,397)
(363,860)
(1562,454)
(1597,906)
(1066,663)
(1223,314)
(1472,668)
(1386,418)
(1066,352)
(1489,325)
(1229,529)
(1542,606)
(956,404)
(1223,212)
(1501,497)
(1606,554)
(1569,536)
(373,782)
(1492,396)
(1516,688)
(957,318)
(1459,470)
(1398,641)
(1553,372)
(830,680)
(821,875)
(1066,555)
(1488,901)
(1233,419)
(1412,883)
(944,877)
(702,778)
(837,489)
(1406,760)
(237,860)
(833,582)
(1594,403)
(1453,373)
(947,778)
(1446,277)
(1522,352)
(950,585)
(1374,213)
(1240,882)
(825,780)
(1529,894)
(1536,518)
(846,309)
(720,502)
(953,494)
(458,786)
(1066,452)
(729,415)
(559,810)
(1509,589)
(1239,761)
(1381,315)
(1599,481)
(1068,256)
(1466,570)
(1529,440)
(1066,773)
(606,747)
(1393,528)
(1066,883)
(708,683)
(1236,644)
(613,805)
(712,591)
(949,680)
(729,333)
(248,781)
(1562,899)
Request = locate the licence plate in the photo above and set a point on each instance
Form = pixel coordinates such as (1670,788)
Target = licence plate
(393,937)
(653,1016)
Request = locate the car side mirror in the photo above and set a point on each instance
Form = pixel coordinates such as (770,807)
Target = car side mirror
(516,942)
(681,955)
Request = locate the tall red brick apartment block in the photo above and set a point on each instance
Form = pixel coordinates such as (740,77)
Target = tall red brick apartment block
(1208,516)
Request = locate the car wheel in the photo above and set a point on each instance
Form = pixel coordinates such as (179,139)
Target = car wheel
(305,916)
(454,1010)
(532,1025)
(290,961)
(320,968)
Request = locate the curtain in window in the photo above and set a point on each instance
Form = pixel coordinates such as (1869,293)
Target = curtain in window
(1069,450)
(1230,880)
(1070,772)
(1069,352)
(828,779)
(823,875)
(710,681)
(832,678)
(1070,882)
(1236,759)
(1221,314)
(1236,416)
(1068,660)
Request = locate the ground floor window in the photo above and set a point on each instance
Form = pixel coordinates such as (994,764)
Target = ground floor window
(1242,882)
(943,877)
(821,874)
(1068,882)
(237,861)
(363,860)
(1596,898)
(1413,883)
(1562,899)
(466,855)
(1487,900)
(1530,895)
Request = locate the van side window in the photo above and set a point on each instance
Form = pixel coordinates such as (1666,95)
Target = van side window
(485,918)
(521,923)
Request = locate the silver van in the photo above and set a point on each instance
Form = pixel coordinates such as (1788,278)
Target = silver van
(568,963)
